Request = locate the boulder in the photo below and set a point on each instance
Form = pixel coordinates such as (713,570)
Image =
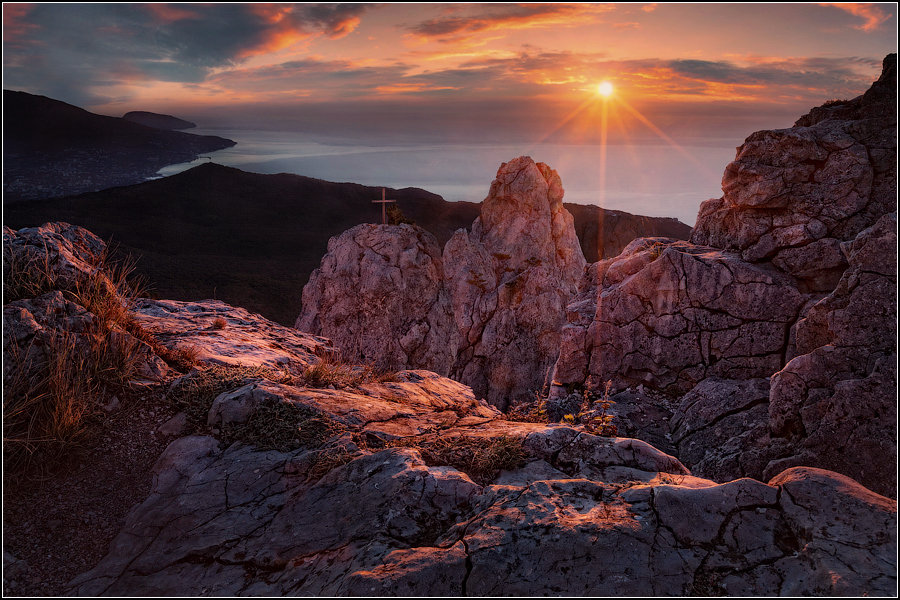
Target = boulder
(221,334)
(52,256)
(378,295)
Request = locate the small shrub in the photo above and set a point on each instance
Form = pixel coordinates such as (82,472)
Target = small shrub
(218,323)
(595,417)
(194,393)
(482,459)
(395,216)
(533,411)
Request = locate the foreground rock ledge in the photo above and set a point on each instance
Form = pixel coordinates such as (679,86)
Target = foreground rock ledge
(577,515)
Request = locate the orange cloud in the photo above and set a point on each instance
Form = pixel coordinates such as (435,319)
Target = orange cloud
(454,27)
(871,13)
(289,25)
(410,88)
(169,13)
(648,8)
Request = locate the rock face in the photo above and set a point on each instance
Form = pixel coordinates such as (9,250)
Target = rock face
(791,275)
(510,280)
(837,400)
(398,312)
(668,314)
(487,312)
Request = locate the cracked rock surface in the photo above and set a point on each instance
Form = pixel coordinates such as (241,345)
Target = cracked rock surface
(487,312)
(378,295)
(774,328)
(580,514)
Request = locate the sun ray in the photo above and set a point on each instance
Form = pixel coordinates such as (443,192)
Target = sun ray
(663,136)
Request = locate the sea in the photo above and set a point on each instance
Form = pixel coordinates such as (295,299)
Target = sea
(653,179)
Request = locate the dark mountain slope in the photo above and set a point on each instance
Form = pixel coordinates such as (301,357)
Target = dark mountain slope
(51,148)
(151,119)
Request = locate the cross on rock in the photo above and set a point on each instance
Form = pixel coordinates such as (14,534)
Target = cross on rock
(383,203)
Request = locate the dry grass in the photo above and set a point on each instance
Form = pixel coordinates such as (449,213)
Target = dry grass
(482,459)
(194,393)
(284,426)
(51,392)
(274,425)
(331,370)
(218,323)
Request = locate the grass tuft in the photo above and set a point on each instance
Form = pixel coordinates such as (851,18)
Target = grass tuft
(51,391)
(283,426)
(482,459)
(332,371)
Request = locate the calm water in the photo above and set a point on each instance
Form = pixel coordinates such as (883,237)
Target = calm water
(655,180)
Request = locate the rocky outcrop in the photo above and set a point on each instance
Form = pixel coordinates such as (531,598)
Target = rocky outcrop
(296,475)
(669,314)
(397,313)
(509,282)
(487,312)
(791,196)
(221,334)
(53,255)
(572,514)
(50,274)
(791,275)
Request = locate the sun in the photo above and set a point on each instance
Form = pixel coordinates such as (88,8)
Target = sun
(605,89)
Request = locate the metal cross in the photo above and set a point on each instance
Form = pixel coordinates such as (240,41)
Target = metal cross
(383,203)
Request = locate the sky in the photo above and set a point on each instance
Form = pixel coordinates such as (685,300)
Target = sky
(681,74)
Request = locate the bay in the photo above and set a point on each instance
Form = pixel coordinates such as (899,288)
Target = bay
(649,179)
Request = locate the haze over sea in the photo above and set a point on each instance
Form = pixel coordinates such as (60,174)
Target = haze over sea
(649,179)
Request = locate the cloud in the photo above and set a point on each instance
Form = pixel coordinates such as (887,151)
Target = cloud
(69,50)
(455,27)
(872,14)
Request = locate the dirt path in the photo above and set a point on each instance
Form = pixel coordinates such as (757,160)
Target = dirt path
(61,526)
